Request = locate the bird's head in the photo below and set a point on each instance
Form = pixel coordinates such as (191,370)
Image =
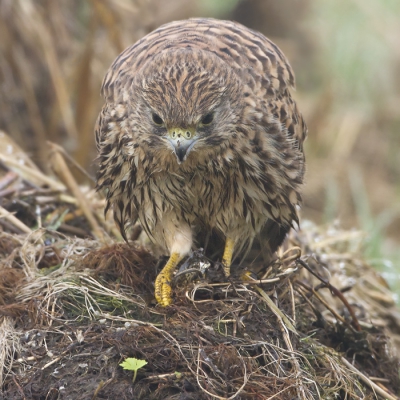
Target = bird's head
(184,102)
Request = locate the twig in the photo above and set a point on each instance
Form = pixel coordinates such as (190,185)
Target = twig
(52,362)
(335,314)
(8,179)
(14,220)
(175,375)
(292,301)
(335,291)
(305,298)
(73,162)
(286,258)
(74,230)
(282,318)
(368,381)
(294,361)
(62,169)
(19,388)
(25,171)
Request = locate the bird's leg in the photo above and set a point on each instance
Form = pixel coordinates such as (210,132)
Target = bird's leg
(227,257)
(163,290)
(178,236)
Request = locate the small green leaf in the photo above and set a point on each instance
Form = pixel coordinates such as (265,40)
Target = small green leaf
(178,375)
(133,364)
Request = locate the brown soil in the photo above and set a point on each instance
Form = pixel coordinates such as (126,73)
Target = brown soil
(224,340)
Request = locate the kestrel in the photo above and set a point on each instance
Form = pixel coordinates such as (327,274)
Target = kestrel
(199,133)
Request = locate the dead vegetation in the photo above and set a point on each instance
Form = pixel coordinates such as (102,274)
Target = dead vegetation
(76,302)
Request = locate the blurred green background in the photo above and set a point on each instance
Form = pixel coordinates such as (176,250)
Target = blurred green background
(345,53)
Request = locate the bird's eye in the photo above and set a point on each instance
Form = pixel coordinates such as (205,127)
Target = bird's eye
(157,119)
(207,119)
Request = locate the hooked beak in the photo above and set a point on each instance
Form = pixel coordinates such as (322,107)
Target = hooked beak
(182,140)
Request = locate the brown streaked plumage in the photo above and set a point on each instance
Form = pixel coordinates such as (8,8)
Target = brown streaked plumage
(199,134)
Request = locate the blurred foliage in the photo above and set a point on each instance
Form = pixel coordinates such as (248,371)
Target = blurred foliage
(382,253)
(346,55)
(354,132)
(217,8)
(359,47)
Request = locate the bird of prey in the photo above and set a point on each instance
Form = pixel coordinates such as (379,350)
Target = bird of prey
(199,133)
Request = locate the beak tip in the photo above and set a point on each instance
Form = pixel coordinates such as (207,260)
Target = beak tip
(180,154)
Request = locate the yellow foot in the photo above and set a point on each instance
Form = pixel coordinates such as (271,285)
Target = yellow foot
(227,257)
(248,276)
(163,290)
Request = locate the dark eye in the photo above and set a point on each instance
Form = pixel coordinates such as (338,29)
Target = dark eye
(157,119)
(207,119)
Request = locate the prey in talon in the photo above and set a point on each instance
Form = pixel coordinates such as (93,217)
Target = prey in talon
(195,268)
